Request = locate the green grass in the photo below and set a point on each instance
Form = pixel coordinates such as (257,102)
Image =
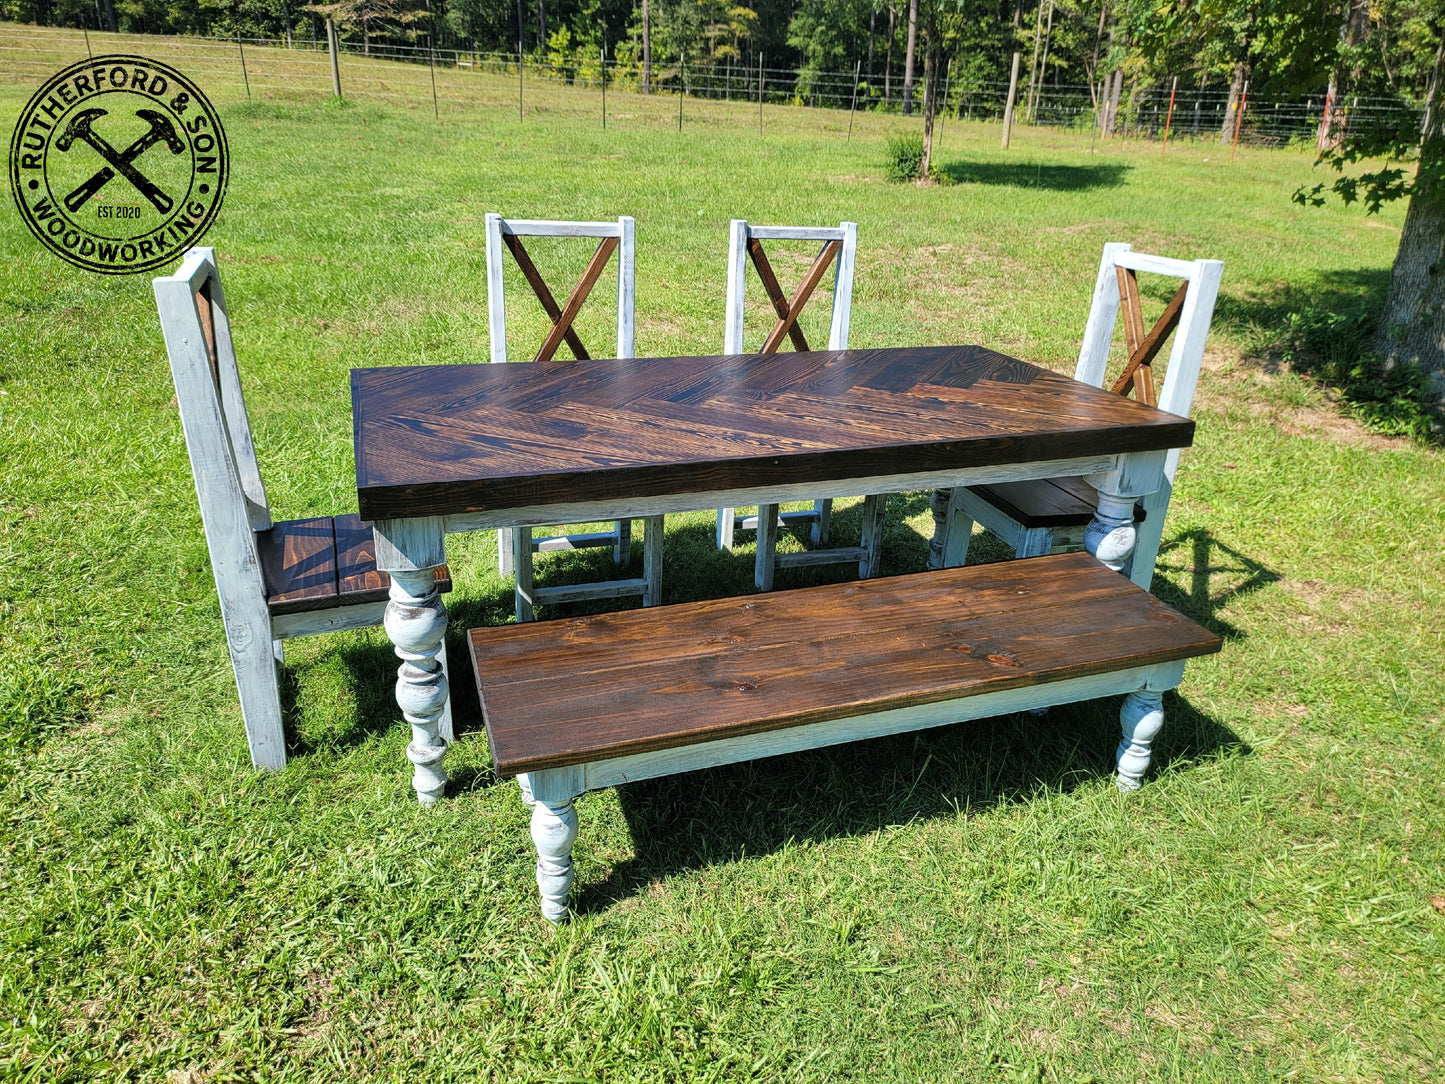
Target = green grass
(971,903)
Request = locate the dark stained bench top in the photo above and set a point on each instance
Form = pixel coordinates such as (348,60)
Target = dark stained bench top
(1046,502)
(319,564)
(559,693)
(452,439)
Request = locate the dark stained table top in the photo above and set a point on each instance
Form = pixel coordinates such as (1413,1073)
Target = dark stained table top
(451,439)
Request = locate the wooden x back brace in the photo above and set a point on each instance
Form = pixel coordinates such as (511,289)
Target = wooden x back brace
(612,237)
(516,545)
(1138,373)
(839,245)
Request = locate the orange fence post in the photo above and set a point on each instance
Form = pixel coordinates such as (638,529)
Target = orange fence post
(1239,119)
(1170,116)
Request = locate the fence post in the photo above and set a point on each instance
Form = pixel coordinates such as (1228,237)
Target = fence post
(1013,91)
(1239,119)
(857,69)
(333,47)
(760,94)
(1170,117)
(681,90)
(244,76)
(603,55)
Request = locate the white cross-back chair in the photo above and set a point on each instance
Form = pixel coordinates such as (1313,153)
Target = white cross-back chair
(274,580)
(516,546)
(839,250)
(1049,515)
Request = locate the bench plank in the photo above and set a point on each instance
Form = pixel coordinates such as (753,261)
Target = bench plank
(641,681)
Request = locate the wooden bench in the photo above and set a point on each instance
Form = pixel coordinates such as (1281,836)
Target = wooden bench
(592,702)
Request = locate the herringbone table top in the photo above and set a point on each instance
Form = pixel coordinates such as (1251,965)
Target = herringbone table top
(450,439)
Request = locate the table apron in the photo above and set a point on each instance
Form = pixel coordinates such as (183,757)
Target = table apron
(637,507)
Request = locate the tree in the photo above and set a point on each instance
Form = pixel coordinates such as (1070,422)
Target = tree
(1411,330)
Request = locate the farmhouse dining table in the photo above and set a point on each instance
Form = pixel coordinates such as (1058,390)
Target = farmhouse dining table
(450,448)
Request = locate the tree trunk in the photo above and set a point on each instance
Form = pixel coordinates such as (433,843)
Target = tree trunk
(888,60)
(1034,63)
(1043,64)
(872,27)
(1412,327)
(908,57)
(542,23)
(1236,88)
(109,15)
(930,79)
(1353,30)
(646,52)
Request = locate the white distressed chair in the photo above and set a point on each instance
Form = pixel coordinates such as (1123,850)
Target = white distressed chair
(839,249)
(516,546)
(275,580)
(1049,515)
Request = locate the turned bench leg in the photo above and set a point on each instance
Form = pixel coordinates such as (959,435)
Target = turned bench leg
(1140,717)
(554,830)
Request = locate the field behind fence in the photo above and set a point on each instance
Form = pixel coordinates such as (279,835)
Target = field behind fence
(449,79)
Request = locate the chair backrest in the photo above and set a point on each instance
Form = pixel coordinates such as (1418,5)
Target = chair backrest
(1187,315)
(616,236)
(197,331)
(840,246)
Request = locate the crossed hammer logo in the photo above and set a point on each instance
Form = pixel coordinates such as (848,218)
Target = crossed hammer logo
(121,162)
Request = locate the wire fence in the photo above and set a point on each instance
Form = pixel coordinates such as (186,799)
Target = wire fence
(415,76)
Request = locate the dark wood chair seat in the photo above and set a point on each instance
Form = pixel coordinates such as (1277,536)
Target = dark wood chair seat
(1046,502)
(320,564)
(619,684)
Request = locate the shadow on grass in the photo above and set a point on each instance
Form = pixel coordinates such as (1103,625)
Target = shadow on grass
(1322,328)
(1207,558)
(1055,178)
(724,814)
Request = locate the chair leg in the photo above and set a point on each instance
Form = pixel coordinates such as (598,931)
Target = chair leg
(1034,542)
(823,509)
(875,509)
(652,536)
(765,564)
(258,683)
(522,554)
(725,519)
(952,529)
(504,551)
(622,548)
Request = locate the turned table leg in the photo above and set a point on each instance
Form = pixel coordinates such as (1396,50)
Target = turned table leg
(416,621)
(1111,537)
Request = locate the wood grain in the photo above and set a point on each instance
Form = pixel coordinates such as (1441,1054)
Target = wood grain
(454,439)
(617,684)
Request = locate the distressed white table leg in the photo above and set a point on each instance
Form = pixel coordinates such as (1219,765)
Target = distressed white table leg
(1140,717)
(765,565)
(416,622)
(1110,535)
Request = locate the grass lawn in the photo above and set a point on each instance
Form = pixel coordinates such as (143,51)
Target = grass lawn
(972,903)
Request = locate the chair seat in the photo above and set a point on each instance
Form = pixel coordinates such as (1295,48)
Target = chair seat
(1046,502)
(324,563)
